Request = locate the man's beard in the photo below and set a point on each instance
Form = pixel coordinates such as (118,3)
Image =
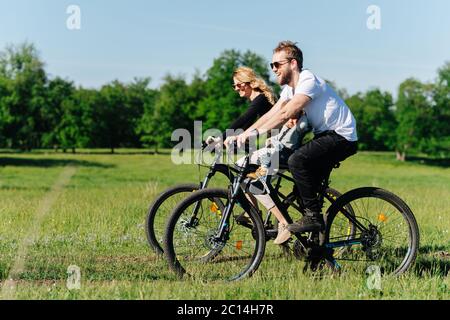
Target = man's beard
(286,78)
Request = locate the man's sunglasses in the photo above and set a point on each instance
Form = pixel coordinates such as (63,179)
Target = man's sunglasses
(280,63)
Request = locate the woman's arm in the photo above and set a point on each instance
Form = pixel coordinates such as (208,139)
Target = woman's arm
(245,120)
(266,118)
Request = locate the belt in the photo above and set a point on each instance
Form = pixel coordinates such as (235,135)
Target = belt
(325,133)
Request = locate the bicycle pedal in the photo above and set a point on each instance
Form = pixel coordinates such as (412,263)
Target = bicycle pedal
(271,234)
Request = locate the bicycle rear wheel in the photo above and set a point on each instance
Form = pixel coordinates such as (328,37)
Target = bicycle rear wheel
(386,232)
(192,247)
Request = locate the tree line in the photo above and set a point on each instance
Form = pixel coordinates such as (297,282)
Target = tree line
(40,111)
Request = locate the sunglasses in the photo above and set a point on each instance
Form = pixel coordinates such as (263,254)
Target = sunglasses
(280,63)
(237,85)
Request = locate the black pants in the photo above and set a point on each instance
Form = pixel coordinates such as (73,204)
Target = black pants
(314,161)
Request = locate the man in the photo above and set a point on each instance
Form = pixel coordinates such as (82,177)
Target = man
(332,123)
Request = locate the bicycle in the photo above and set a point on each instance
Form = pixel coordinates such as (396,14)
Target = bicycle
(163,204)
(160,209)
(204,240)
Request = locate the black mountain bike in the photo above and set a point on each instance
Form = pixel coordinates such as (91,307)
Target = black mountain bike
(205,239)
(164,203)
(160,209)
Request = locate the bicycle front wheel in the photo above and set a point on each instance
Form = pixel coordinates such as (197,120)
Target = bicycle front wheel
(386,232)
(159,211)
(193,248)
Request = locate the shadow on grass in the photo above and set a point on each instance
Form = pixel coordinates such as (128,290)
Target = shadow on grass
(122,153)
(433,249)
(434,162)
(433,267)
(48,163)
(119,152)
(95,269)
(434,261)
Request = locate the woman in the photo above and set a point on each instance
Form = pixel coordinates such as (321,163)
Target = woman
(248,85)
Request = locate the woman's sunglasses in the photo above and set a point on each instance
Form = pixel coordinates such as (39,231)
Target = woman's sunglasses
(237,85)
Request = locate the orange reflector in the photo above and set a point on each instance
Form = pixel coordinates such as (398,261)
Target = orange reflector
(382,217)
(214,207)
(239,245)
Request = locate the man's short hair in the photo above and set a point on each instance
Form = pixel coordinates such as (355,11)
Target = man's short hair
(292,52)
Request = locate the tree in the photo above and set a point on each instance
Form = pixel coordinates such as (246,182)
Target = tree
(440,143)
(21,109)
(414,113)
(221,105)
(375,119)
(59,93)
(77,127)
(116,115)
(5,117)
(173,109)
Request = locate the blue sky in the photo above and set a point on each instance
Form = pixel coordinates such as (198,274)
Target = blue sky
(124,39)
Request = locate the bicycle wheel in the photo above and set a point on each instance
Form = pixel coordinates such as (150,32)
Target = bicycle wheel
(330,196)
(192,247)
(386,232)
(343,228)
(159,211)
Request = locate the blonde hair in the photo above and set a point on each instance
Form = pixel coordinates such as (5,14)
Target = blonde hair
(247,75)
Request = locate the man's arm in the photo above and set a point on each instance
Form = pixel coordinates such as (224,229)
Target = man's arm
(291,110)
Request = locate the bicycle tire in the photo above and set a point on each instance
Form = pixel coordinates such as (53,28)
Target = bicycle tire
(186,254)
(387,204)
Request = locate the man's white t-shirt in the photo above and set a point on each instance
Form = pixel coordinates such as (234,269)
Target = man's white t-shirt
(326,110)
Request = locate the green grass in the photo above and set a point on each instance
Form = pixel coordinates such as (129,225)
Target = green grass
(97,223)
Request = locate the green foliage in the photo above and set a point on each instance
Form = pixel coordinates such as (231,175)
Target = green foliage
(375,119)
(415,117)
(441,143)
(26,85)
(220,104)
(77,125)
(53,112)
(41,112)
(118,110)
(174,109)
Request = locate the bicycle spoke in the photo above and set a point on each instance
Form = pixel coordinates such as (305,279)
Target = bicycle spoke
(201,253)
(387,240)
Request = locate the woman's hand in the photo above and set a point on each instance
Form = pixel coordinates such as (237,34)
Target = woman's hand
(212,140)
(242,138)
(229,141)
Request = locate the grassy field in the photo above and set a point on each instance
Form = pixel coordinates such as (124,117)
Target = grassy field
(95,220)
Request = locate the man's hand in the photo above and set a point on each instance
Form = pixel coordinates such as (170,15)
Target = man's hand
(291,123)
